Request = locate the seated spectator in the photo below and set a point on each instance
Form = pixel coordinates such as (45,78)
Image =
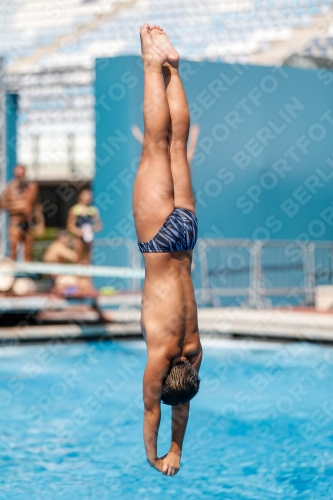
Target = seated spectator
(59,252)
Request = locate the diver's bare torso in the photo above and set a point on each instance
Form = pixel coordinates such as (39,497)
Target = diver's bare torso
(169,311)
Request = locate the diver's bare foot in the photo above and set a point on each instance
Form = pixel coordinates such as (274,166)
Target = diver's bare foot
(161,40)
(152,54)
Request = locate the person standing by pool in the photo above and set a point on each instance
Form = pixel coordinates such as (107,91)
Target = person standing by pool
(83,222)
(166,226)
(21,199)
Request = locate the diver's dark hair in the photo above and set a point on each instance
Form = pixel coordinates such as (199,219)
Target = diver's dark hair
(181,384)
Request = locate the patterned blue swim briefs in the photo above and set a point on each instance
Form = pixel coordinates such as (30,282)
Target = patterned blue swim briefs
(178,233)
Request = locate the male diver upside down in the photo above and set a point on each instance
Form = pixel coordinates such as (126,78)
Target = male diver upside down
(166,225)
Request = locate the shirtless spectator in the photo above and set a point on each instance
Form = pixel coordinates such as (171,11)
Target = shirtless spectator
(21,199)
(59,252)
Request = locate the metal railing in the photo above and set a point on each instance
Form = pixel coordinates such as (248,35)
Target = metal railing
(118,252)
(234,272)
(263,273)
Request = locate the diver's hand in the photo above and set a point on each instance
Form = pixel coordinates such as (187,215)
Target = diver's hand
(171,463)
(168,465)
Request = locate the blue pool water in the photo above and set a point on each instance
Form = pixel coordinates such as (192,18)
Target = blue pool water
(260,428)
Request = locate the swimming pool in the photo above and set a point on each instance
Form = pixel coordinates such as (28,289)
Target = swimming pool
(260,428)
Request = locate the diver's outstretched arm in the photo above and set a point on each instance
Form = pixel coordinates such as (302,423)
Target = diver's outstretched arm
(180,416)
(156,369)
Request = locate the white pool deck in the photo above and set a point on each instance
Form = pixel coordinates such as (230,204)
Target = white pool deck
(285,324)
(276,323)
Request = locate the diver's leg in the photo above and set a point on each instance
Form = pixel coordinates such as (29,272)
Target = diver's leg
(153,188)
(180,124)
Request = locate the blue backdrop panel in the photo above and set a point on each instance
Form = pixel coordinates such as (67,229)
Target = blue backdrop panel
(11,118)
(263,166)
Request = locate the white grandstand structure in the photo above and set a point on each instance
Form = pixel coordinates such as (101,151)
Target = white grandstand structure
(50,47)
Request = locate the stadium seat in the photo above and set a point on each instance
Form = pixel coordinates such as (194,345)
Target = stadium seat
(63,42)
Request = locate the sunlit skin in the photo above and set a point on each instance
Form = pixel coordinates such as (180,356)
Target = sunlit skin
(20,199)
(163,183)
(192,140)
(59,251)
